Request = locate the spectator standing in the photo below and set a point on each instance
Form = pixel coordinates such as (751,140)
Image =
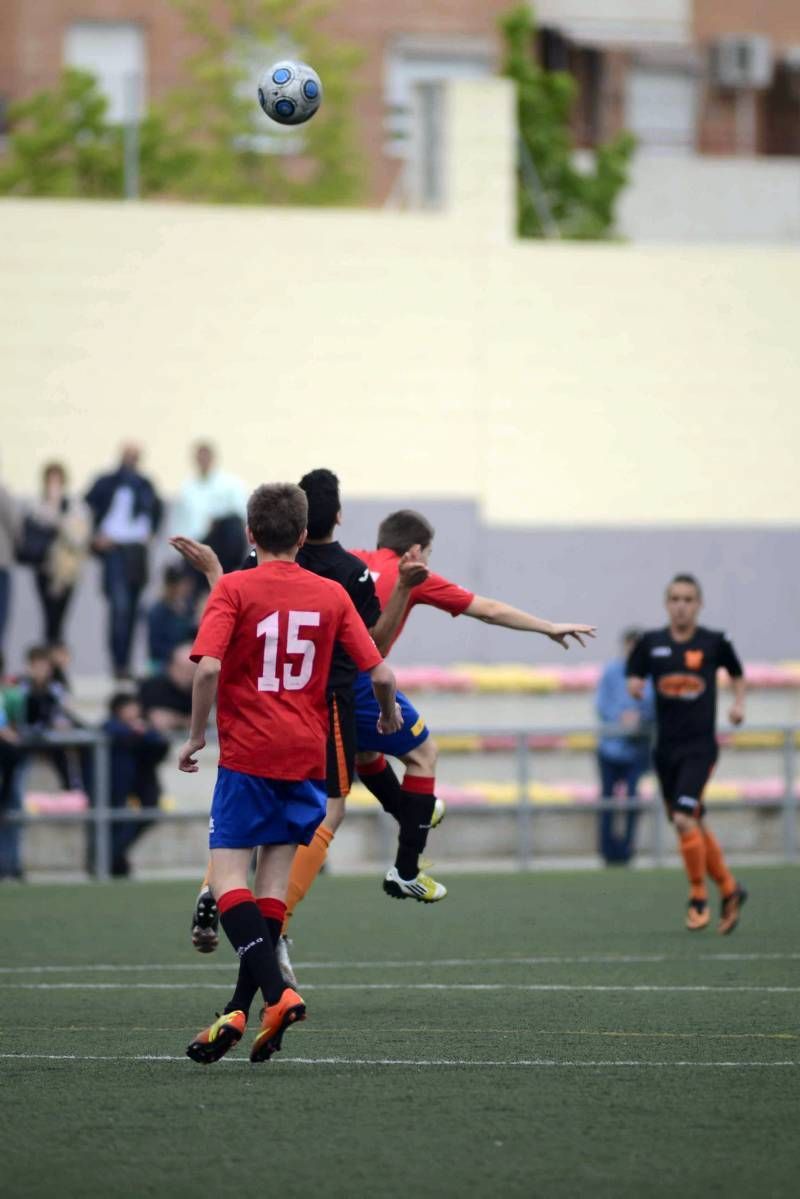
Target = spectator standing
(66,518)
(136,750)
(171,620)
(126,513)
(211,508)
(622,760)
(8,534)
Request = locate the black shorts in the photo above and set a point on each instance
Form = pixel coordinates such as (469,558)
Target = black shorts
(341,742)
(683,771)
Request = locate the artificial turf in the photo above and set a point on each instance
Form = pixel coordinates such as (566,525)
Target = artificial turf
(617,1091)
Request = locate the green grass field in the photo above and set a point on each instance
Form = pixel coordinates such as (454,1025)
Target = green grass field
(552,1034)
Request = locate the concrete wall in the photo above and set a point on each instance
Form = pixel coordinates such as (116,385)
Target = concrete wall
(688,198)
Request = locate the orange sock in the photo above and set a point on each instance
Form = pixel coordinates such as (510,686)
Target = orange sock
(716,866)
(308,861)
(693,849)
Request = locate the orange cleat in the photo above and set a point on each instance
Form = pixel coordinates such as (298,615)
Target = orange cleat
(731,910)
(289,1009)
(214,1042)
(697,916)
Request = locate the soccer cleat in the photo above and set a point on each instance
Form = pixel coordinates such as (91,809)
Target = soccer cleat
(290,1009)
(423,888)
(285,962)
(214,1042)
(205,922)
(731,910)
(439,810)
(697,916)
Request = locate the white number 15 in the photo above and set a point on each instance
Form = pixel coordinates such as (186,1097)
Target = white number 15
(269,628)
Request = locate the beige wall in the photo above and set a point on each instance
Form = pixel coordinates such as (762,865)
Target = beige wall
(418,355)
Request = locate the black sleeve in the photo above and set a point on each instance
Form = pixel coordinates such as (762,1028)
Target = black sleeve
(729,658)
(361,589)
(638,663)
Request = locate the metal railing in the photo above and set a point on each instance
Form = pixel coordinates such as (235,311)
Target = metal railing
(101,816)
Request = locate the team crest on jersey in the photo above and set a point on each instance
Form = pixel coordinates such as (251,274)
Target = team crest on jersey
(693,659)
(681,686)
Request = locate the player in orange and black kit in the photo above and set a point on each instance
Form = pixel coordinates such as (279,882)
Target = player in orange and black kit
(683,660)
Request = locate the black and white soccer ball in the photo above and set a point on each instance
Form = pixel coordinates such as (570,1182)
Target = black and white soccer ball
(290,92)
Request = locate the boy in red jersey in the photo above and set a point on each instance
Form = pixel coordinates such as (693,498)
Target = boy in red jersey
(264,651)
(413,802)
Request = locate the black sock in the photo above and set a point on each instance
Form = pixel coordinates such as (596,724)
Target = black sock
(385,786)
(246,986)
(249,935)
(415,823)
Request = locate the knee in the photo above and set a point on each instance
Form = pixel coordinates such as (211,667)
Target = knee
(424,757)
(684,824)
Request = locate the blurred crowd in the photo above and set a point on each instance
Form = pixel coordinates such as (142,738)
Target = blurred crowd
(116,520)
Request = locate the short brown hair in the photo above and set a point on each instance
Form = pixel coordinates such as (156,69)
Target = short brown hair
(689,580)
(277,514)
(400,530)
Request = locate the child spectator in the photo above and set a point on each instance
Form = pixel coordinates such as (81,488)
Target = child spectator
(136,751)
(171,619)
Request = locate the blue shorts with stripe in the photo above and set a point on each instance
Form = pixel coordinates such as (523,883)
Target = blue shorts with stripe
(412,734)
(247,810)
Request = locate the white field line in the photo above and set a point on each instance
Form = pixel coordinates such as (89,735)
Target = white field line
(200,986)
(398,964)
(529,1063)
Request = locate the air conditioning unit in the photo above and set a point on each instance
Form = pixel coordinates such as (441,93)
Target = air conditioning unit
(742,61)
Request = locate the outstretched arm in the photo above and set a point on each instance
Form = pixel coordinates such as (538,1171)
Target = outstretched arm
(493,611)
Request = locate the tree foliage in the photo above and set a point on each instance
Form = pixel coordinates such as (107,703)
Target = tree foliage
(206,139)
(581,203)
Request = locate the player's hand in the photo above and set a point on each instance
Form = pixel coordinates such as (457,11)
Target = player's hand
(635,687)
(736,714)
(200,556)
(412,569)
(562,632)
(393,724)
(186,760)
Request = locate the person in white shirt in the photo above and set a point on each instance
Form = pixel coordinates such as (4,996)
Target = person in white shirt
(211,508)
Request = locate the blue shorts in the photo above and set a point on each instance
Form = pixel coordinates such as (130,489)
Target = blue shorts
(368,739)
(247,811)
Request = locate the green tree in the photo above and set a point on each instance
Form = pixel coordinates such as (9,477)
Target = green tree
(214,114)
(554,194)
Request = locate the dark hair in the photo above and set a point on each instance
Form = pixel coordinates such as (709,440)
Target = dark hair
(53,468)
(38,653)
(173,575)
(120,700)
(690,580)
(632,633)
(322,491)
(400,530)
(277,514)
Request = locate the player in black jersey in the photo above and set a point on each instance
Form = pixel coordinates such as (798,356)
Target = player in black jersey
(683,659)
(324,556)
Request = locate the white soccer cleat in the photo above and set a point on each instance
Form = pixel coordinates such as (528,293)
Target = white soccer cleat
(423,888)
(285,963)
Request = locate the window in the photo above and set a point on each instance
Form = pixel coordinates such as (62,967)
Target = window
(661,107)
(114,52)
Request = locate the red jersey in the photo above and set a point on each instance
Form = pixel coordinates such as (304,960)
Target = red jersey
(384,566)
(273,629)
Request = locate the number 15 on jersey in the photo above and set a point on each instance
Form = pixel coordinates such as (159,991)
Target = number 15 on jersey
(296,646)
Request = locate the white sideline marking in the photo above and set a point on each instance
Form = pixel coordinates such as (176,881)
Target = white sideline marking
(398,964)
(529,1063)
(192,986)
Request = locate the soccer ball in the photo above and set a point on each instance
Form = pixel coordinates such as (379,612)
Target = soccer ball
(290,92)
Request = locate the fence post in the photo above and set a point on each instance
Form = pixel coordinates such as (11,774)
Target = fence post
(102,810)
(524,813)
(789,797)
